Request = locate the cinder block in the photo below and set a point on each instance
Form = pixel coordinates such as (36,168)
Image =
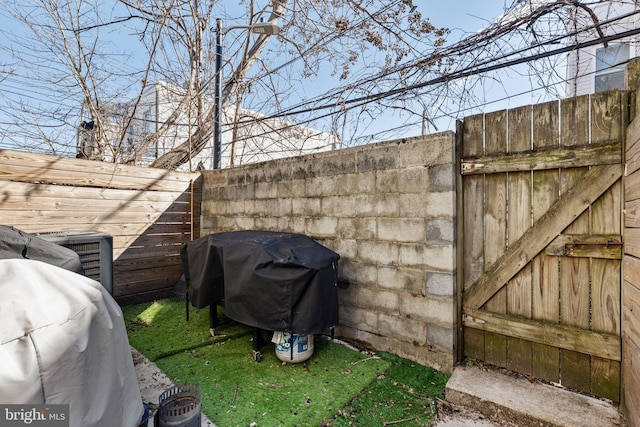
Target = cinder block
(440,231)
(322,186)
(266,190)
(375,299)
(284,207)
(428,150)
(337,163)
(338,206)
(245,223)
(245,192)
(441,204)
(356,183)
(441,178)
(377,157)
(292,188)
(431,310)
(265,207)
(324,226)
(387,181)
(346,248)
(292,224)
(403,329)
(438,258)
(440,337)
(411,280)
(412,180)
(378,253)
(401,230)
(308,206)
(440,284)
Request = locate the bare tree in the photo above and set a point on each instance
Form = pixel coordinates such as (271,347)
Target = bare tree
(66,54)
(383,55)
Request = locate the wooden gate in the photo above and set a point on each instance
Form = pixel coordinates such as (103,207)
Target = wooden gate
(541,238)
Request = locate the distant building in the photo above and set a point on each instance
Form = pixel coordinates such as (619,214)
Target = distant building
(599,68)
(255,139)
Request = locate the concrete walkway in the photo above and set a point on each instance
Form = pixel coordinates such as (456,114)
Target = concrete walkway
(153,382)
(506,400)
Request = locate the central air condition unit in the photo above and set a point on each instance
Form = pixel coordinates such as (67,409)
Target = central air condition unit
(95,250)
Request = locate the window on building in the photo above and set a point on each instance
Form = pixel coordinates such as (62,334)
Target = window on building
(610,65)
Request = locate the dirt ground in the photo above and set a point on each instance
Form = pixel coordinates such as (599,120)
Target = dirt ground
(450,415)
(152,383)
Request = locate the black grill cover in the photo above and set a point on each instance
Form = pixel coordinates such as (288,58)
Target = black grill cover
(269,280)
(18,244)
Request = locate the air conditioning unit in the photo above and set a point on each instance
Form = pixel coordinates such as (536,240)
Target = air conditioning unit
(95,250)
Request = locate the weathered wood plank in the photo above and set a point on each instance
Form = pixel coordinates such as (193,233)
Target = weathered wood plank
(561,214)
(91,218)
(632,242)
(632,312)
(574,272)
(30,191)
(631,379)
(606,292)
(563,336)
(545,276)
(495,234)
(473,228)
(632,147)
(551,158)
(519,288)
(632,186)
(631,211)
(30,167)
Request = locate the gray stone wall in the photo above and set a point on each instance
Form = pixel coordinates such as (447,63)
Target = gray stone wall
(388,209)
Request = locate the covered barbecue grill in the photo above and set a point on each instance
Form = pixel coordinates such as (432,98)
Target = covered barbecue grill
(269,280)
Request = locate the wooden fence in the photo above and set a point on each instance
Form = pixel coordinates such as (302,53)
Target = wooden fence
(631,283)
(542,240)
(149,212)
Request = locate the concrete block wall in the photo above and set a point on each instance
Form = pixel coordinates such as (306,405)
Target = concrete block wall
(388,209)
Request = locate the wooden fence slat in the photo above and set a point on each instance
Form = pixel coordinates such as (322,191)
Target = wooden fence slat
(563,336)
(553,158)
(473,229)
(545,304)
(519,355)
(495,235)
(574,273)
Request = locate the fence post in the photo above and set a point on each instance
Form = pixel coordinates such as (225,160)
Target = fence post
(632,80)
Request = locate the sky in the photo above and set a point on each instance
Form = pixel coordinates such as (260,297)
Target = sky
(462,17)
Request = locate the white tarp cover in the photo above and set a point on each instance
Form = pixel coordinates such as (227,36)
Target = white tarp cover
(63,341)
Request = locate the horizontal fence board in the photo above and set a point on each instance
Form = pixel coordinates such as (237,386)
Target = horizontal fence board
(563,336)
(632,186)
(632,242)
(30,191)
(632,213)
(91,218)
(549,158)
(153,262)
(30,167)
(632,147)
